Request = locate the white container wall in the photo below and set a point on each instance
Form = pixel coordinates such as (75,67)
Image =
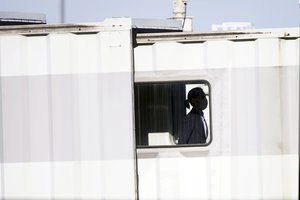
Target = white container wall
(67,127)
(254,79)
(66,113)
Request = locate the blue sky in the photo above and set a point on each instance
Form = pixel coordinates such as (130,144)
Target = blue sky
(262,13)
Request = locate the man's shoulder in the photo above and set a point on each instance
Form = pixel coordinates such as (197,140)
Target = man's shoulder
(192,114)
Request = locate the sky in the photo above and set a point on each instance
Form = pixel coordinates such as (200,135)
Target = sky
(262,13)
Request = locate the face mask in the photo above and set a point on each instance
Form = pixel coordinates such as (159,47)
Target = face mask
(201,104)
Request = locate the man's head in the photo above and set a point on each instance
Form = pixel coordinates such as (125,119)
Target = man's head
(197,98)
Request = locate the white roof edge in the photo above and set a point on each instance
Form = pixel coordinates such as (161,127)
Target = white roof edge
(139,23)
(285,33)
(169,24)
(109,24)
(275,32)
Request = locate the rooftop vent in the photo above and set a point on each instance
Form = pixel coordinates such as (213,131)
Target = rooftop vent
(17,18)
(179,13)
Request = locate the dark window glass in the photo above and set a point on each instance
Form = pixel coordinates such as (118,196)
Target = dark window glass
(160,114)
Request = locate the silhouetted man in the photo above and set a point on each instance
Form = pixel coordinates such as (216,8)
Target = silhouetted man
(195,127)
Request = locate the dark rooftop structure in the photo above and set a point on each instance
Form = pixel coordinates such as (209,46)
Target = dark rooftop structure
(18,18)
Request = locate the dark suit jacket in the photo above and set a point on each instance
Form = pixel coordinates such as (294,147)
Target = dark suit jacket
(193,126)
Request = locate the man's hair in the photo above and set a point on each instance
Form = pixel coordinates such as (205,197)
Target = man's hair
(194,93)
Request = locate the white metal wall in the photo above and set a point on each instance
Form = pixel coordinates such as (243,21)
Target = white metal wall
(66,126)
(255,120)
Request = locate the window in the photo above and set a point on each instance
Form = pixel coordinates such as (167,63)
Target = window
(160,114)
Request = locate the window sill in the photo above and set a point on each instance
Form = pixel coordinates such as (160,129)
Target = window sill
(153,152)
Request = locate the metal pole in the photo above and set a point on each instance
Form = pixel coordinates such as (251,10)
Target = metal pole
(62,11)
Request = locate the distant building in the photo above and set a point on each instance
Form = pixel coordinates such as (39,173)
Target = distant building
(232,26)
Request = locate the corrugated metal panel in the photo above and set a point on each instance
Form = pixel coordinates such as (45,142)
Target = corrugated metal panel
(66,113)
(254,79)
(158,52)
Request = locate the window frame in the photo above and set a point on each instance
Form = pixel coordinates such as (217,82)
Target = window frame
(185,82)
